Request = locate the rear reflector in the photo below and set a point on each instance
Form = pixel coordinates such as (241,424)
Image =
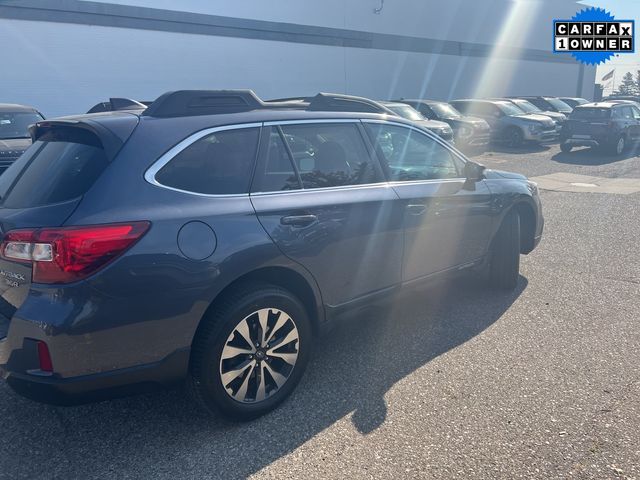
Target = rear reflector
(44,357)
(68,254)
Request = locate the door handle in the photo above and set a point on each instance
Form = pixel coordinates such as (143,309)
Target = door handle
(416,209)
(298,220)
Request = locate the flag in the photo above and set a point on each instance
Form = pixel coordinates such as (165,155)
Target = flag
(608,76)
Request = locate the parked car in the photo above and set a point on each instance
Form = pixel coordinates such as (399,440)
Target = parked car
(573,102)
(633,98)
(610,125)
(14,131)
(549,104)
(528,107)
(213,236)
(442,129)
(508,123)
(467,131)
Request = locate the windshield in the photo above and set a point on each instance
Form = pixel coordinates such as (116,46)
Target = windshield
(405,111)
(444,110)
(526,106)
(16,124)
(559,104)
(509,108)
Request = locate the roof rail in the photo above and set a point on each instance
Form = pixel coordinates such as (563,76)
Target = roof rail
(182,103)
(115,104)
(335,102)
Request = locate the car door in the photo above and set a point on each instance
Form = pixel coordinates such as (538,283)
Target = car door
(322,198)
(447,220)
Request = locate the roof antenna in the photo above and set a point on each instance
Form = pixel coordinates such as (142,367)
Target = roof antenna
(379,9)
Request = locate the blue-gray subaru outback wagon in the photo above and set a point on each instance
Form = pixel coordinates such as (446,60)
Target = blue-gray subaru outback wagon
(213,236)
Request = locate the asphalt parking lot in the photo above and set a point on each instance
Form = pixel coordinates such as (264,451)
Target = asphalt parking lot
(463,383)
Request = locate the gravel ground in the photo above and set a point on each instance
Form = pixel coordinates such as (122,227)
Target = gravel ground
(458,383)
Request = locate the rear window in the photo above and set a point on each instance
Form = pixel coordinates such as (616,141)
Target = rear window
(590,113)
(220,163)
(61,165)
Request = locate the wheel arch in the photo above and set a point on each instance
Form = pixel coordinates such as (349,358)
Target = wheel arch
(280,276)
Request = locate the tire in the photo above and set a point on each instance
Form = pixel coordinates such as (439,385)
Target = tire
(514,137)
(238,396)
(504,263)
(566,147)
(618,147)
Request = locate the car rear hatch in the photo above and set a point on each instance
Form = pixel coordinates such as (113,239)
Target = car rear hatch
(587,122)
(46,184)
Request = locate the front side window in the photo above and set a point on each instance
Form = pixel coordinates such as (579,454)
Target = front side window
(409,155)
(330,154)
(219,164)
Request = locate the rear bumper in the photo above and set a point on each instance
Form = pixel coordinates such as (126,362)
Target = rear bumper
(100,386)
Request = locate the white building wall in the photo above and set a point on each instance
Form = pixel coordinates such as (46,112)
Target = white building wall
(65,68)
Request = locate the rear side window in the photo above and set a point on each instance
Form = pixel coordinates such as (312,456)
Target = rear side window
(330,155)
(60,166)
(220,163)
(278,173)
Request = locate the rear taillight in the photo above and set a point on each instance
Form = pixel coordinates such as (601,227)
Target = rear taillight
(67,254)
(44,357)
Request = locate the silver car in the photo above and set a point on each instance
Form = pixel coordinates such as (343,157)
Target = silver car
(509,124)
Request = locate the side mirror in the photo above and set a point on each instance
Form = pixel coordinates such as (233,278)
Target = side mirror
(474,171)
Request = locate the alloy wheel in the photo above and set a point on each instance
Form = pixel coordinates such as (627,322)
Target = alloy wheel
(620,146)
(259,355)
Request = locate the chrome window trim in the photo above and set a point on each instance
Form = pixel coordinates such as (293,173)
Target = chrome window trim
(318,120)
(426,133)
(150,174)
(322,189)
(169,155)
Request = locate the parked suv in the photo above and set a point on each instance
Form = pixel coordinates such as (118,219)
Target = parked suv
(549,104)
(14,132)
(509,124)
(610,125)
(527,107)
(440,128)
(467,131)
(213,236)
(573,102)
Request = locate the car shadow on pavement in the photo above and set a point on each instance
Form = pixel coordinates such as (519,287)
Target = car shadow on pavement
(594,156)
(164,435)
